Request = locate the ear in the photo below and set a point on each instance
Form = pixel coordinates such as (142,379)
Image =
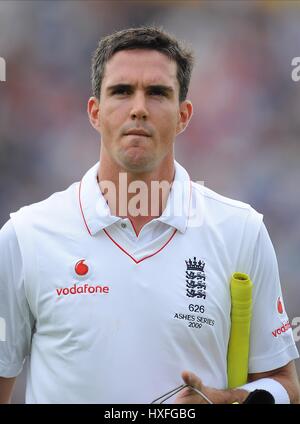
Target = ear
(185,114)
(93,110)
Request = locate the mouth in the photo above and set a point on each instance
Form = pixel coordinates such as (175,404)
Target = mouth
(139,133)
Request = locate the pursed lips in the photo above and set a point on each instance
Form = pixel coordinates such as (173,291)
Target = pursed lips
(139,133)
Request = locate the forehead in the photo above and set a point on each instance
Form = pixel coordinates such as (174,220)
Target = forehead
(146,66)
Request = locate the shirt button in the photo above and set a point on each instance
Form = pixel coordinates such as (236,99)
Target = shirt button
(123,225)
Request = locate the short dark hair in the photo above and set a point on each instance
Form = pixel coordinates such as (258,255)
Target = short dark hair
(145,37)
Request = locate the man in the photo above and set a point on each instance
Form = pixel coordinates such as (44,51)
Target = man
(113,298)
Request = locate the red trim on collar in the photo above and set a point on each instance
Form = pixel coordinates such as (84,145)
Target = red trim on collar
(146,257)
(136,233)
(87,227)
(79,197)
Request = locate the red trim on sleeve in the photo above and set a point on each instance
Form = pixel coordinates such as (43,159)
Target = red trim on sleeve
(80,205)
(146,257)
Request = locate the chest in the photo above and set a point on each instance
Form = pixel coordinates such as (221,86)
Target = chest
(99,289)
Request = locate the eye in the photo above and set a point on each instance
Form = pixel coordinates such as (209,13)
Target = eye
(122,91)
(156,92)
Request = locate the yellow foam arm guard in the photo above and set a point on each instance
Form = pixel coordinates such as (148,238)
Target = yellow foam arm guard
(241,313)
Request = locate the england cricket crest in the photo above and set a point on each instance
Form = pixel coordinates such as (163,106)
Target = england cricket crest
(195,278)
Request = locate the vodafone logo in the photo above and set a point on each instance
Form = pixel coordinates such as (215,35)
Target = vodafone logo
(81,268)
(285,327)
(279,306)
(82,272)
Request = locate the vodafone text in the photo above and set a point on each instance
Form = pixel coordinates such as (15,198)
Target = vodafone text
(84,289)
(281,329)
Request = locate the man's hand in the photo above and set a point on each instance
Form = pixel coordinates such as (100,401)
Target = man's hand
(188,395)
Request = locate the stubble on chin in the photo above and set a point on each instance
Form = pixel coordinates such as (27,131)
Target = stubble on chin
(137,165)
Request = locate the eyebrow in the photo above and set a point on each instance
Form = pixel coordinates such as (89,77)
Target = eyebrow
(160,87)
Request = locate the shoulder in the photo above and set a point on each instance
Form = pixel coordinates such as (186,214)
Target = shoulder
(218,200)
(57,207)
(235,222)
(223,207)
(60,199)
(55,216)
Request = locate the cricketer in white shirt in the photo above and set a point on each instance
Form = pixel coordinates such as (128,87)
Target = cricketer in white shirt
(108,317)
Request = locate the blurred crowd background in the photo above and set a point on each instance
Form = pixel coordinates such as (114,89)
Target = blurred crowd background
(243,140)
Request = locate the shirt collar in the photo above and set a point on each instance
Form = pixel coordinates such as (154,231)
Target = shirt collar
(177,209)
(96,213)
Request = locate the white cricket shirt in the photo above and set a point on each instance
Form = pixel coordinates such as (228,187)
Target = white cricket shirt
(109,317)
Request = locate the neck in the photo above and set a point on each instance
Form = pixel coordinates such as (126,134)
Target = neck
(140,197)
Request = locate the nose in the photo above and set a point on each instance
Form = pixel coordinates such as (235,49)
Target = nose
(139,109)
